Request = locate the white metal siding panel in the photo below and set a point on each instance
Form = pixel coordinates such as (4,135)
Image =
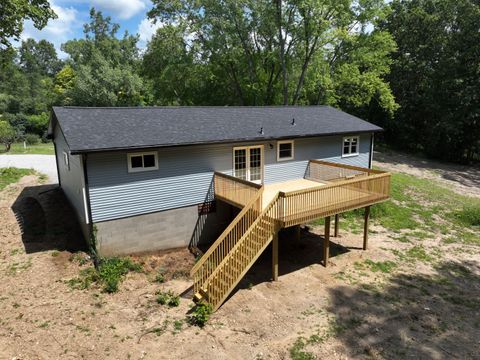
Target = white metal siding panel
(185,174)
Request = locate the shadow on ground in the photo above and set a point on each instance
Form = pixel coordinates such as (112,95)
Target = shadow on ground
(293,255)
(47,220)
(412,316)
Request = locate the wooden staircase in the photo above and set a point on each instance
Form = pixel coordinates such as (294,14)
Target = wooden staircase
(241,249)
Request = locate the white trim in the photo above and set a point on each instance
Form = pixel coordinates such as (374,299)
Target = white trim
(278,150)
(66,160)
(87,220)
(247,148)
(350,146)
(141,169)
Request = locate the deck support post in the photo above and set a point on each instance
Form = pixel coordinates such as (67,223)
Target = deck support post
(335,234)
(365,227)
(326,244)
(275,257)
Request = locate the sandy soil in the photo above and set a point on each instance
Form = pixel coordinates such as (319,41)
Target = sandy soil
(422,310)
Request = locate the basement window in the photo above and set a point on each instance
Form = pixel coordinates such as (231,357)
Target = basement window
(350,146)
(285,150)
(142,161)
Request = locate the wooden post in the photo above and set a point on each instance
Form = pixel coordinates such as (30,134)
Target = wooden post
(336,226)
(365,227)
(326,244)
(275,257)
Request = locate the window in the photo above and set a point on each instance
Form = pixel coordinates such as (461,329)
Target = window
(285,150)
(142,161)
(350,146)
(66,160)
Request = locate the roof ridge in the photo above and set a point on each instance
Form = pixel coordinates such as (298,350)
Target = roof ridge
(190,107)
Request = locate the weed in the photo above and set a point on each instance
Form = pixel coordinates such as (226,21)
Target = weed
(109,274)
(160,277)
(168,298)
(418,253)
(178,325)
(382,266)
(55,253)
(44,325)
(470,214)
(297,351)
(200,314)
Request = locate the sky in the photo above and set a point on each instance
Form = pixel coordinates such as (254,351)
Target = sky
(130,14)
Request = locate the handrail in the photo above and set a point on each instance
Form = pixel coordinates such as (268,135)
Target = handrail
(221,282)
(345,166)
(242,181)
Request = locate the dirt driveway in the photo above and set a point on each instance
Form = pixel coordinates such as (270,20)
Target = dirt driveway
(395,300)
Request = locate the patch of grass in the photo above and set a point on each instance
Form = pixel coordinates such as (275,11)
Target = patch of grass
(41,148)
(160,277)
(298,352)
(469,214)
(168,298)
(110,273)
(200,314)
(381,266)
(11,175)
(419,253)
(178,325)
(18,267)
(55,253)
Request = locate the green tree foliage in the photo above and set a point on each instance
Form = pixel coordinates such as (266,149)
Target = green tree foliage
(7,134)
(253,52)
(435,77)
(104,67)
(15,12)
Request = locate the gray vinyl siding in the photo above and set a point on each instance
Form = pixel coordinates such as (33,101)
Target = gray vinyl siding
(185,174)
(71,178)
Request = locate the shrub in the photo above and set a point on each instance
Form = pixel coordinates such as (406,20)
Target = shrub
(32,139)
(200,314)
(470,214)
(168,298)
(160,277)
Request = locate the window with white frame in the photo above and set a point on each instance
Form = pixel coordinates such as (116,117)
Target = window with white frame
(350,146)
(145,161)
(285,150)
(66,160)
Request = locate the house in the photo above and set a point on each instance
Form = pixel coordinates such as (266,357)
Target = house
(150,178)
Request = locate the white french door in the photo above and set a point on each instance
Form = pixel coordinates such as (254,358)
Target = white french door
(248,163)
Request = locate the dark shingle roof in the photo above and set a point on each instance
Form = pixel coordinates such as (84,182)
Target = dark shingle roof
(88,129)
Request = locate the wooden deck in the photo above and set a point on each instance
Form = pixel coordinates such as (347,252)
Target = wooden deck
(327,189)
(269,191)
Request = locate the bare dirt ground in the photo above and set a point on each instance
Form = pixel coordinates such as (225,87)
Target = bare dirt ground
(428,307)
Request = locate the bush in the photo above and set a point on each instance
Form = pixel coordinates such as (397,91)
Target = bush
(470,214)
(32,139)
(168,298)
(200,314)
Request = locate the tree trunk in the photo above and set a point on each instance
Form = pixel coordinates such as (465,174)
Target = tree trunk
(282,52)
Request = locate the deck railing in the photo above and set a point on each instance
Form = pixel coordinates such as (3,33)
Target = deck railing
(319,170)
(233,190)
(227,240)
(306,205)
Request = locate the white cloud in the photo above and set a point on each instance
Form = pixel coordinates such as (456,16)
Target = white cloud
(123,9)
(57,30)
(146,29)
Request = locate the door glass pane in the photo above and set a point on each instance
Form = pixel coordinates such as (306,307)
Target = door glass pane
(255,164)
(240,161)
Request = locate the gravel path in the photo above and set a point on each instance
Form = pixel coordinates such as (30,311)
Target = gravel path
(42,163)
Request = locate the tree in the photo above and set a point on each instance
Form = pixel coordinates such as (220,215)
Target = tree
(282,52)
(7,134)
(435,77)
(105,67)
(39,57)
(15,12)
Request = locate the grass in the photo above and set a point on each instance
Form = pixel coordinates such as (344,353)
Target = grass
(41,148)
(108,276)
(11,175)
(168,298)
